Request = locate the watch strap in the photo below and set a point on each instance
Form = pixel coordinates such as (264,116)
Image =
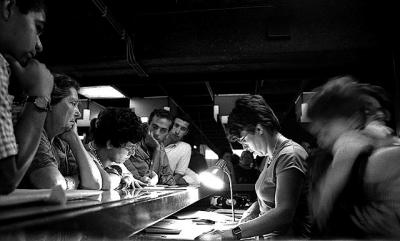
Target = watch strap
(237,232)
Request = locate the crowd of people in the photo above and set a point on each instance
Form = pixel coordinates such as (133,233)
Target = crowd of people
(347,188)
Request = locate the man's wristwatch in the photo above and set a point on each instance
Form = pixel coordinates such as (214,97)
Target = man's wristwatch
(42,103)
(237,233)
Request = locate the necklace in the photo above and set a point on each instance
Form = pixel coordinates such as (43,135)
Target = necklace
(94,150)
(273,152)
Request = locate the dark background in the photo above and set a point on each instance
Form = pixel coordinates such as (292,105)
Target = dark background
(191,50)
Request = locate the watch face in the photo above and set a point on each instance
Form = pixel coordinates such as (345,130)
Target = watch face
(41,102)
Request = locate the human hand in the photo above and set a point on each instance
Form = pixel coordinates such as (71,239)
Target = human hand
(34,78)
(247,216)
(150,141)
(154,179)
(137,183)
(211,235)
(70,135)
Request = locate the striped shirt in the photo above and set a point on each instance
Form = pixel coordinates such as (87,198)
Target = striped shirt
(8,144)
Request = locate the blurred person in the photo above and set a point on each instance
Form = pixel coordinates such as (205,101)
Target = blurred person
(235,160)
(150,163)
(281,208)
(197,161)
(111,147)
(225,162)
(21,24)
(356,196)
(61,158)
(245,171)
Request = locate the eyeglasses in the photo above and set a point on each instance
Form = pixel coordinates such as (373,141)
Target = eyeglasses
(242,139)
(131,148)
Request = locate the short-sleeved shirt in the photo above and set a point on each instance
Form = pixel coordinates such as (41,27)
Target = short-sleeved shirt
(179,157)
(8,144)
(289,156)
(57,154)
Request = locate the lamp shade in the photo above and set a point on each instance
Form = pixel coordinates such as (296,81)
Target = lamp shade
(213,178)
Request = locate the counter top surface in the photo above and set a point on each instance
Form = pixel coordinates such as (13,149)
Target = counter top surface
(100,213)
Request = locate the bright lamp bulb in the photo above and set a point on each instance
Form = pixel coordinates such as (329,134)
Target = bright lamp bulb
(211,181)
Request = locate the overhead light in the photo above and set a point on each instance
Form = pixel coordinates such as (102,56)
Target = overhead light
(237,151)
(144,119)
(216,112)
(101,92)
(210,155)
(224,119)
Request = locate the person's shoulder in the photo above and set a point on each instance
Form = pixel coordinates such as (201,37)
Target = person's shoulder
(383,163)
(2,60)
(184,145)
(292,148)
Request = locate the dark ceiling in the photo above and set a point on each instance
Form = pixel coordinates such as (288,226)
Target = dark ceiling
(191,50)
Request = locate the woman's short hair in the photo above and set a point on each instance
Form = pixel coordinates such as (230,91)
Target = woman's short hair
(249,111)
(62,85)
(119,126)
(340,97)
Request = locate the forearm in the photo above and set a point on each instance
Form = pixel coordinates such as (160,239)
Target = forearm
(156,160)
(253,210)
(275,219)
(10,176)
(89,173)
(27,133)
(109,181)
(47,177)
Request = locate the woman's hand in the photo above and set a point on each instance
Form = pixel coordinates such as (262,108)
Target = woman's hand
(247,216)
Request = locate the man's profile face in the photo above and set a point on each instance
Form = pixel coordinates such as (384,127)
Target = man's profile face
(159,127)
(24,30)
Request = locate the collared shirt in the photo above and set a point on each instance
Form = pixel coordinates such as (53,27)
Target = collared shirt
(141,165)
(8,144)
(179,156)
(56,154)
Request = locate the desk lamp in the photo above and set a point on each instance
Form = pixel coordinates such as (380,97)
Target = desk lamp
(213,178)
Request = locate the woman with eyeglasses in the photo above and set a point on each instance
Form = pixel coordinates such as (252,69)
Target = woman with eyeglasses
(111,147)
(281,206)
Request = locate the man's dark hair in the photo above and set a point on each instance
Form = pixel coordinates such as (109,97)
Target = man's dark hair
(222,153)
(26,6)
(62,85)
(119,126)
(249,111)
(339,98)
(161,113)
(183,117)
